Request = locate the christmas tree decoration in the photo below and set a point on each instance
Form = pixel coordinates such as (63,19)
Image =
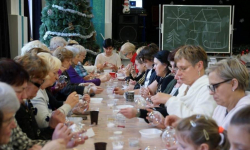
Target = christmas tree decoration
(70,19)
(126,9)
(50,12)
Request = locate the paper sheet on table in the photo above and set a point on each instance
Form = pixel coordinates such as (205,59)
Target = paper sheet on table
(90,132)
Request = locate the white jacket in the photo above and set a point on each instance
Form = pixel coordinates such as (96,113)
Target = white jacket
(196,101)
(44,111)
(220,111)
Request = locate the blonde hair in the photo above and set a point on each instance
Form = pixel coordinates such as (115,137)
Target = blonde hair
(52,62)
(62,53)
(56,42)
(192,54)
(140,49)
(198,129)
(231,68)
(34,46)
(128,48)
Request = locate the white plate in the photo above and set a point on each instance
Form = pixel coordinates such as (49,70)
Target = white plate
(150,133)
(96,100)
(124,106)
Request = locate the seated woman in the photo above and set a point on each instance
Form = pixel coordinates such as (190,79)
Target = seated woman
(238,130)
(138,80)
(65,56)
(79,69)
(228,82)
(193,97)
(108,59)
(200,132)
(129,51)
(74,77)
(12,137)
(41,102)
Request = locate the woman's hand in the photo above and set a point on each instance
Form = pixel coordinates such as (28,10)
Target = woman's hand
(86,97)
(160,98)
(145,93)
(56,117)
(118,90)
(171,120)
(132,82)
(129,112)
(96,89)
(72,99)
(127,70)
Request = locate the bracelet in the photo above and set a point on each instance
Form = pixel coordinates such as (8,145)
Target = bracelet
(138,114)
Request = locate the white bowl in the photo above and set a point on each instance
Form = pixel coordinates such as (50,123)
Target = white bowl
(124,106)
(96,100)
(150,133)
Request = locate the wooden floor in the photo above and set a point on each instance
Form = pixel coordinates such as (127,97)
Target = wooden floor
(103,133)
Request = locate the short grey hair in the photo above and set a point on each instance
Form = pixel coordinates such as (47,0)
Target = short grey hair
(33,44)
(57,42)
(8,99)
(231,68)
(80,48)
(74,50)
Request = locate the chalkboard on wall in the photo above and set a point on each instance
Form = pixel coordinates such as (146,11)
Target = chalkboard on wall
(204,25)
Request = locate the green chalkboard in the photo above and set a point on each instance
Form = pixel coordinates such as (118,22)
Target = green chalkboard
(207,26)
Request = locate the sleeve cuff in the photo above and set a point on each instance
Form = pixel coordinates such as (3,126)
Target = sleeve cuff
(65,108)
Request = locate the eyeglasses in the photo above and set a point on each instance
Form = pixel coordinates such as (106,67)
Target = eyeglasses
(212,87)
(36,84)
(9,121)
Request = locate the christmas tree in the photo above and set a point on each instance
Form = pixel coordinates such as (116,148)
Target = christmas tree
(70,19)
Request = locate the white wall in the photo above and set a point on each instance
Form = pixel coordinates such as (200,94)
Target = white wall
(108,19)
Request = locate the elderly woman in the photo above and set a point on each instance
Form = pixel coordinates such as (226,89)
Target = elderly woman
(193,97)
(80,69)
(228,81)
(108,59)
(74,77)
(12,136)
(41,102)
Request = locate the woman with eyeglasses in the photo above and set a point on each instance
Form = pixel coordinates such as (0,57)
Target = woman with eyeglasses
(228,83)
(193,97)
(108,59)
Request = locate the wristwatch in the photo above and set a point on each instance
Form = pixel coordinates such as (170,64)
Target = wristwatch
(138,113)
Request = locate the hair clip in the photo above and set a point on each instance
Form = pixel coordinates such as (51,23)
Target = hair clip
(206,134)
(192,123)
(198,116)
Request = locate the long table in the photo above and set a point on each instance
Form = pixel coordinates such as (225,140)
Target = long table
(102,132)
